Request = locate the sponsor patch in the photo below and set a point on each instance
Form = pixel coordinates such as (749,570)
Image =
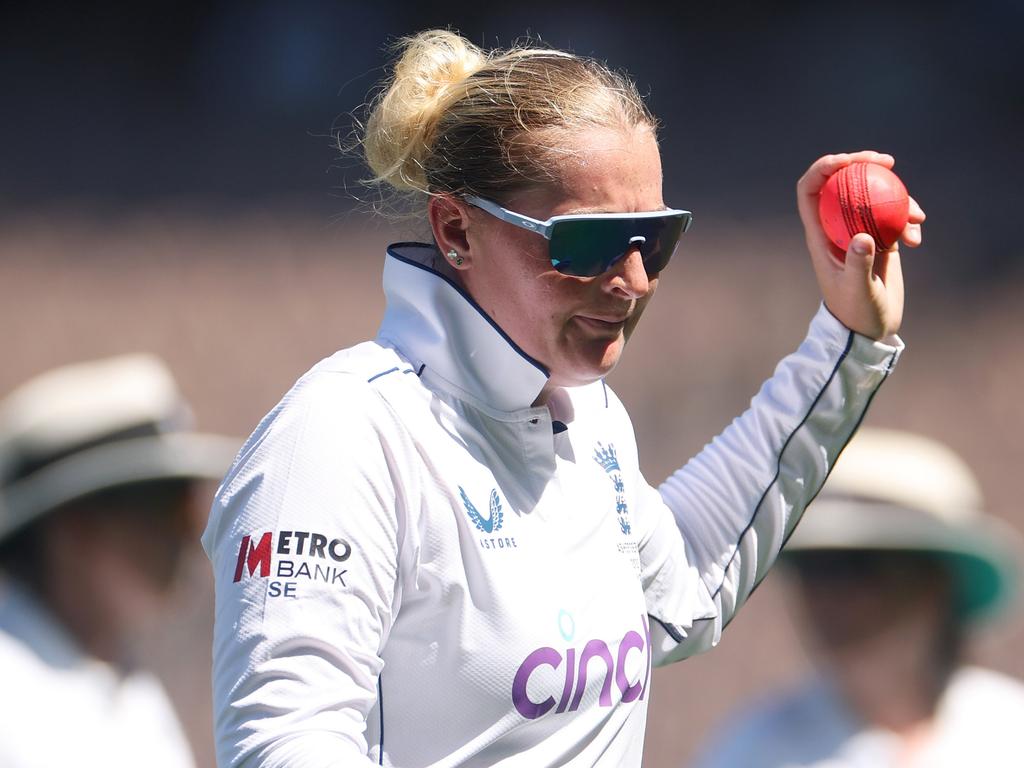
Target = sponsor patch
(291,559)
(491,524)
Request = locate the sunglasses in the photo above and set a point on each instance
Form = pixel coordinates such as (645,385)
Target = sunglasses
(588,244)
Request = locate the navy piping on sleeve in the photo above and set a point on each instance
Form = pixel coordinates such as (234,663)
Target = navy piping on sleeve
(380,708)
(782,451)
(393,254)
(382,373)
(385,373)
(674,633)
(888,370)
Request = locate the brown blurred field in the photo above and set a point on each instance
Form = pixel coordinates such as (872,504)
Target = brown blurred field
(241,306)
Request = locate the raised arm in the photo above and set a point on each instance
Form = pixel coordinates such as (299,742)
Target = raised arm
(737,502)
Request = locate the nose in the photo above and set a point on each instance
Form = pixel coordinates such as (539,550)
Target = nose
(627,278)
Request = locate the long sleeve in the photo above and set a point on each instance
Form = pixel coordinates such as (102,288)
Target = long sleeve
(737,501)
(304,537)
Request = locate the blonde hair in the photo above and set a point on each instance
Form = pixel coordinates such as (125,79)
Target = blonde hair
(453,118)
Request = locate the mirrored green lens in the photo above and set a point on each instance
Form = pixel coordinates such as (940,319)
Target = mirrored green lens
(589,247)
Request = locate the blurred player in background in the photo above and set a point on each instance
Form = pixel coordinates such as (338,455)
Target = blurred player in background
(894,564)
(98,483)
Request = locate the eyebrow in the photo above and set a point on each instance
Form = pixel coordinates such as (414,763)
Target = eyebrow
(584,211)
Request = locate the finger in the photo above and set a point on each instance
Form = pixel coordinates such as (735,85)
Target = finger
(814,179)
(816,176)
(860,257)
(917,215)
(810,184)
(911,236)
(871,156)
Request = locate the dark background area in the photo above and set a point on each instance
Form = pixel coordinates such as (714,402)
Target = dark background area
(220,105)
(169,182)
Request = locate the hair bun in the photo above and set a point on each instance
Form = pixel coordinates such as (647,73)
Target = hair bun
(400,127)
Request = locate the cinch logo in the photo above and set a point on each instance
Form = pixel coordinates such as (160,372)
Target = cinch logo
(253,556)
(576,670)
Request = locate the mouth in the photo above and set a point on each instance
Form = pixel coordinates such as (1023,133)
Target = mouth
(603,325)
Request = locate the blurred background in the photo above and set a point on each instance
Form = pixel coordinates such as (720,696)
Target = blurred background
(169,182)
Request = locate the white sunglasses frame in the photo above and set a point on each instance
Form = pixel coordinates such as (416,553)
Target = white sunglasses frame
(544,228)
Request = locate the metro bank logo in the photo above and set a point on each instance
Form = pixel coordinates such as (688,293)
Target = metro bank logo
(258,558)
(576,664)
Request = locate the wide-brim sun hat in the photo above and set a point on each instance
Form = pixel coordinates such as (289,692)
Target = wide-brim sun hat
(893,491)
(89,427)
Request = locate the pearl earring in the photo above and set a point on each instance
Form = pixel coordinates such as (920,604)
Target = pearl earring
(454,257)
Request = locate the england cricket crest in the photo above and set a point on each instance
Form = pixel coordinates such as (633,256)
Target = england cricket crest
(608,460)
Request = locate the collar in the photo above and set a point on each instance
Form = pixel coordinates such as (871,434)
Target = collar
(434,322)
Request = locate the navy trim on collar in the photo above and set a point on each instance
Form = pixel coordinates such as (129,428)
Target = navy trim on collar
(433,321)
(472,302)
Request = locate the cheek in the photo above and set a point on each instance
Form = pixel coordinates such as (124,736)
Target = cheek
(641,305)
(515,284)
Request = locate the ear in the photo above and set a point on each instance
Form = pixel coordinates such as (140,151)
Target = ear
(449,221)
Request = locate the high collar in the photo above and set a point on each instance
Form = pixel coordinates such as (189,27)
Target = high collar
(434,322)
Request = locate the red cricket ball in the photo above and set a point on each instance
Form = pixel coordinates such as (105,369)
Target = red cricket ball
(864,197)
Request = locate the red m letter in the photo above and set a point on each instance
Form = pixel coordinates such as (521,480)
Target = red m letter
(253,556)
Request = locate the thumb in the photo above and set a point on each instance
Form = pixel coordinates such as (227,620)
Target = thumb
(860,255)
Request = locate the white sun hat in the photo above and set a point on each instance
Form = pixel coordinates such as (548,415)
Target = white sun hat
(896,491)
(94,426)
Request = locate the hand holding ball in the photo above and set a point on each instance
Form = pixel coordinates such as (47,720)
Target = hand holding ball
(864,197)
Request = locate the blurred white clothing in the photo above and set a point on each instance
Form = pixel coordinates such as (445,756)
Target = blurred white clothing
(60,707)
(978,722)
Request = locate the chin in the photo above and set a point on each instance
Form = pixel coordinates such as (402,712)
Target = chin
(581,369)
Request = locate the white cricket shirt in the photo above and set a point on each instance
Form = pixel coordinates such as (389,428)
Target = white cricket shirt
(416,567)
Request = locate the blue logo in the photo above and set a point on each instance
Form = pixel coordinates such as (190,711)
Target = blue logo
(608,460)
(566,625)
(489,524)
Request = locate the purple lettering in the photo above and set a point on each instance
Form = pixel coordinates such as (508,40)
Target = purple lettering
(529,709)
(629,692)
(650,654)
(570,671)
(590,650)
